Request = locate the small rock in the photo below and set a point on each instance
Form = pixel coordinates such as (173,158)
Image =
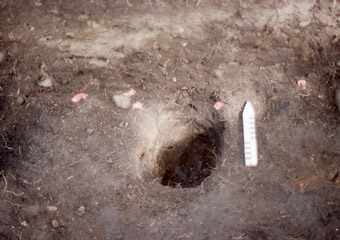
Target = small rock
(123,124)
(89,131)
(83,17)
(37,3)
(164,47)
(174,79)
(218,73)
(81,211)
(332,175)
(55,224)
(70,35)
(54,11)
(11,36)
(47,82)
(24,224)
(163,62)
(20,100)
(338,63)
(2,57)
(51,208)
(119,236)
(121,101)
(337,98)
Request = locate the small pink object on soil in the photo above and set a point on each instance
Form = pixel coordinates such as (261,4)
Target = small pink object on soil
(302,83)
(130,93)
(218,105)
(78,97)
(184,88)
(137,105)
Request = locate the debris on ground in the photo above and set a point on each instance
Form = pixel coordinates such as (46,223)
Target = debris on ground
(78,97)
(332,175)
(218,105)
(24,224)
(55,223)
(121,101)
(80,211)
(90,131)
(46,82)
(137,105)
(37,3)
(218,73)
(20,99)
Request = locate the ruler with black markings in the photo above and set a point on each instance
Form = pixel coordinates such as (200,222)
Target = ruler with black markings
(249,133)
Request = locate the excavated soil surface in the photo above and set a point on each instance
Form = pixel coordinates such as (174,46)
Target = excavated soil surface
(163,163)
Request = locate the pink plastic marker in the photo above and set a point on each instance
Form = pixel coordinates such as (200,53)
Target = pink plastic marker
(302,83)
(78,97)
(218,105)
(137,105)
(130,93)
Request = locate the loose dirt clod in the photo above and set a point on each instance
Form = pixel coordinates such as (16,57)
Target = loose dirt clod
(81,211)
(20,100)
(55,223)
(24,224)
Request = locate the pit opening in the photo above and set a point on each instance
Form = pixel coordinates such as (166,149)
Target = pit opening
(186,163)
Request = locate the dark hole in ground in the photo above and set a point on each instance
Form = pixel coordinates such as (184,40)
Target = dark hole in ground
(188,162)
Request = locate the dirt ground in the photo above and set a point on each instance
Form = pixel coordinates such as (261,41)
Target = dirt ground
(164,163)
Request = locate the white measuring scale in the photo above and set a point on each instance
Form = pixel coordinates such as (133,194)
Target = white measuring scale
(249,133)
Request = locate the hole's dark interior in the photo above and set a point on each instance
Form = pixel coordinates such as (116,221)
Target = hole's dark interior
(188,162)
